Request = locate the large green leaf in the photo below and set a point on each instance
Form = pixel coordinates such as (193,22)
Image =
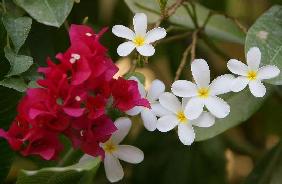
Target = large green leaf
(218,26)
(18,63)
(17,29)
(242,106)
(49,12)
(82,173)
(269,169)
(266,33)
(16,83)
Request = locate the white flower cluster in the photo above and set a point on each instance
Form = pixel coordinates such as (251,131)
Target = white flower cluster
(199,106)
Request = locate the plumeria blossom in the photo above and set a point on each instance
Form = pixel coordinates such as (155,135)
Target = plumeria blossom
(115,152)
(140,39)
(203,93)
(177,117)
(251,74)
(149,115)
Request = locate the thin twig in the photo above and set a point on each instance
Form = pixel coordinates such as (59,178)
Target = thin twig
(194,43)
(176,37)
(183,62)
(235,20)
(169,12)
(212,46)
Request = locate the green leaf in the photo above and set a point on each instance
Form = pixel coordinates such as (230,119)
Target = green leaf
(218,26)
(16,83)
(82,173)
(266,33)
(48,12)
(242,106)
(138,75)
(17,29)
(269,169)
(18,63)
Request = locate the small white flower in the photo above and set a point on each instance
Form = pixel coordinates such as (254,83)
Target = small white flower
(203,93)
(140,39)
(251,74)
(177,117)
(149,116)
(115,152)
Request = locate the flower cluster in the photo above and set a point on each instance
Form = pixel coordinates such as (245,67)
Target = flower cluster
(200,104)
(73,100)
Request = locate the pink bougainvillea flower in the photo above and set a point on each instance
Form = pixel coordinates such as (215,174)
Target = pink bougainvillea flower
(18,129)
(126,94)
(75,61)
(43,143)
(87,134)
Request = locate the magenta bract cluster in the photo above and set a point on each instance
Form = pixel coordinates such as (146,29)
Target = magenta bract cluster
(73,100)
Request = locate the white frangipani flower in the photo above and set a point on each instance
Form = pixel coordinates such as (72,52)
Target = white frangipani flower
(177,117)
(140,39)
(115,152)
(203,93)
(149,116)
(251,74)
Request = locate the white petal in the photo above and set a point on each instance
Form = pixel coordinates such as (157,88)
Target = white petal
(113,168)
(167,123)
(159,110)
(123,32)
(134,111)
(253,58)
(155,34)
(156,89)
(268,72)
(129,154)
(221,84)
(239,83)
(237,67)
(146,50)
(149,119)
(206,119)
(186,133)
(201,72)
(170,102)
(185,100)
(140,24)
(194,108)
(257,88)
(125,48)
(184,88)
(123,126)
(218,107)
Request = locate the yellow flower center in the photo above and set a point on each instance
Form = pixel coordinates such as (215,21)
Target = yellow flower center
(139,40)
(110,147)
(181,117)
(252,75)
(203,92)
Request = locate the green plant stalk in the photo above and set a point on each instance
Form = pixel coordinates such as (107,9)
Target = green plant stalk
(71,157)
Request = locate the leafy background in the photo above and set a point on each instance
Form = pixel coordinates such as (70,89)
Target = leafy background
(242,148)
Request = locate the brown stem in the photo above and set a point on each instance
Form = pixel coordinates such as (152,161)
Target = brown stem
(176,37)
(235,20)
(183,62)
(169,11)
(194,43)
